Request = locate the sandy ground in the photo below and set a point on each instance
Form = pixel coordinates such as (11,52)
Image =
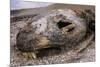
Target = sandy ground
(49,56)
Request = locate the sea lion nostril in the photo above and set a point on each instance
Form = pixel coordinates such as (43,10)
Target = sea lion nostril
(62,24)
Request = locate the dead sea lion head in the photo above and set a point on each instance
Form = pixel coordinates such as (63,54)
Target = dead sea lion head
(55,28)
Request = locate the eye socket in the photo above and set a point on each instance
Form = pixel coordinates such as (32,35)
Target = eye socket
(62,24)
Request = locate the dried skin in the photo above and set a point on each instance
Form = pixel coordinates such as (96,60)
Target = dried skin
(45,32)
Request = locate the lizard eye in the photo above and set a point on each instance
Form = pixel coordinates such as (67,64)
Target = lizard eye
(62,24)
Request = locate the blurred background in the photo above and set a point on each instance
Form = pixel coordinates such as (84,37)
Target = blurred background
(20,4)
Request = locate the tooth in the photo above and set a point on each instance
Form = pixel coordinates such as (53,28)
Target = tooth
(25,55)
(30,55)
(33,55)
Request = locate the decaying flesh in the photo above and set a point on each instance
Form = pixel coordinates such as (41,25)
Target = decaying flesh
(53,29)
